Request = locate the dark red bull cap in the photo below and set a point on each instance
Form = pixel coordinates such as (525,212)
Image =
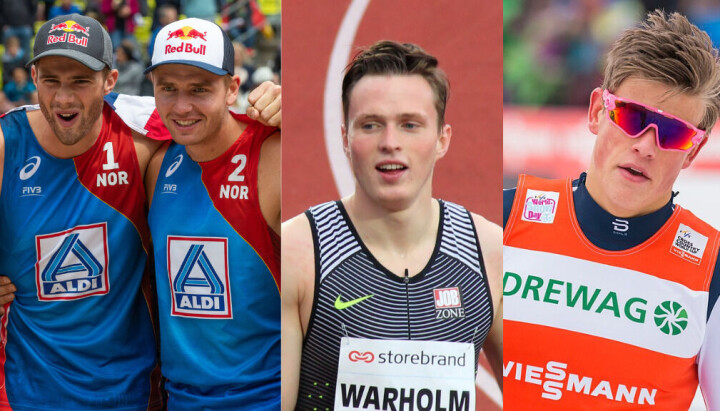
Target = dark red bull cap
(194,42)
(77,37)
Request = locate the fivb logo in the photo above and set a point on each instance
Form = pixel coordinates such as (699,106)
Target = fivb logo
(199,277)
(72,264)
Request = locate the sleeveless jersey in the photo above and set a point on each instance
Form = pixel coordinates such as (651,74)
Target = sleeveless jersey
(73,240)
(589,328)
(400,308)
(217,279)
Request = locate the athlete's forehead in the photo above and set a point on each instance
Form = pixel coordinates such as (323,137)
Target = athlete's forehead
(392,96)
(58,66)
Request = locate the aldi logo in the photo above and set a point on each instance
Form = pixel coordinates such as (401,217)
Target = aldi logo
(72,264)
(199,277)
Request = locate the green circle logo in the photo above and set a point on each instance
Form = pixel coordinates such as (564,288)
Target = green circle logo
(671,318)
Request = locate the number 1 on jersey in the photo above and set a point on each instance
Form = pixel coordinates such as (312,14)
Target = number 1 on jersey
(111,164)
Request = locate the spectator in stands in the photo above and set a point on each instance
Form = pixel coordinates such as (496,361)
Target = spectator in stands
(19,90)
(65,7)
(43,9)
(5,104)
(243,68)
(201,9)
(14,56)
(130,71)
(119,19)
(158,6)
(165,14)
(16,19)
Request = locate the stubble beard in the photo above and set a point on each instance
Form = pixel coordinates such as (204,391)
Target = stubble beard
(71,136)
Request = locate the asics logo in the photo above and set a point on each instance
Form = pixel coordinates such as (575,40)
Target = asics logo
(174,166)
(341,305)
(30,168)
(356,356)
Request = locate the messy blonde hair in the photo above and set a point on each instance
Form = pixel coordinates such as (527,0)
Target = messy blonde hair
(667,48)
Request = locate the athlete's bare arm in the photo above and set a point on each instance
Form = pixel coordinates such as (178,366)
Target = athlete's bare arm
(153,169)
(490,235)
(7,289)
(269,184)
(298,282)
(266,104)
(145,148)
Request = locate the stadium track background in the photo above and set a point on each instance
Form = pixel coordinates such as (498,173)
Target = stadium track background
(467,39)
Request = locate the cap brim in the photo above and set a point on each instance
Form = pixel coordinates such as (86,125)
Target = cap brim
(204,66)
(91,62)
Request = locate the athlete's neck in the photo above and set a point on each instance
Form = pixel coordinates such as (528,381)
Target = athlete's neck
(399,240)
(216,143)
(51,143)
(611,232)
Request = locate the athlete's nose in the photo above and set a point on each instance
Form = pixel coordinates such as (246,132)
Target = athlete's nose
(182,104)
(64,95)
(389,141)
(645,144)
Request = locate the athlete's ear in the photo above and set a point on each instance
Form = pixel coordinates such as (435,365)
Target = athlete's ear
(110,81)
(346,147)
(233,90)
(694,152)
(443,143)
(595,110)
(33,74)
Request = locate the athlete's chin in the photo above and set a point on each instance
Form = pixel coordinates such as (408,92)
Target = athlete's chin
(185,138)
(68,137)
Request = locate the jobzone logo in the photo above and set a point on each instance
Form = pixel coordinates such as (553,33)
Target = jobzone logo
(199,277)
(72,264)
(448,303)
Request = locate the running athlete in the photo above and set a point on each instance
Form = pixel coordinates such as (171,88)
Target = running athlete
(608,284)
(390,293)
(214,218)
(73,235)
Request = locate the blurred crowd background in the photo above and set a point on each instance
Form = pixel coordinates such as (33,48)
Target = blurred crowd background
(553,50)
(253,25)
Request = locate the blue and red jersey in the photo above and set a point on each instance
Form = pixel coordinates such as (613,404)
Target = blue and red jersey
(218,279)
(74,241)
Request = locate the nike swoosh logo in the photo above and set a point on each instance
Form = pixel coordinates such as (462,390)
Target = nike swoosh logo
(341,305)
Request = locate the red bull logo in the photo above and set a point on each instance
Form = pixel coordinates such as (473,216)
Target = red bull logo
(70,26)
(187,33)
(68,30)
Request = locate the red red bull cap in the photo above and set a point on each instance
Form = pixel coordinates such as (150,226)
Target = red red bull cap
(194,42)
(77,37)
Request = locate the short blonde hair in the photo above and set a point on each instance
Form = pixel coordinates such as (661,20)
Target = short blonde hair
(667,48)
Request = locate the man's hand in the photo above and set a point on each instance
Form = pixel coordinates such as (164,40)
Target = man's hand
(7,290)
(265,104)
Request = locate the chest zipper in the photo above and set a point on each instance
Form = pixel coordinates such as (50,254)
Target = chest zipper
(407,301)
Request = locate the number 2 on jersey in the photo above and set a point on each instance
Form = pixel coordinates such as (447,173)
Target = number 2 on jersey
(235,176)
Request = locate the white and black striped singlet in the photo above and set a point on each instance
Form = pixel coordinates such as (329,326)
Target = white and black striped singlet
(400,307)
